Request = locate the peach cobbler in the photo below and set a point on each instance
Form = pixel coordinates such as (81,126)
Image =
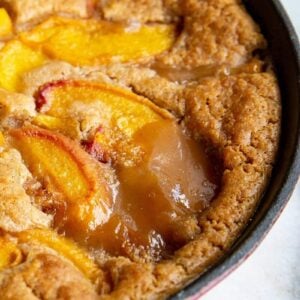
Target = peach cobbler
(136,139)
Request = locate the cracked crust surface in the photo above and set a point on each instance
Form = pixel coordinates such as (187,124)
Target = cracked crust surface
(235,112)
(215,32)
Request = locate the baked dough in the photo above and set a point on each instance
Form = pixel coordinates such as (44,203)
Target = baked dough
(212,81)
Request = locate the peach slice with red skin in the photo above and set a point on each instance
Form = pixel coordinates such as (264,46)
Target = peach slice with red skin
(67,91)
(120,112)
(65,168)
(41,97)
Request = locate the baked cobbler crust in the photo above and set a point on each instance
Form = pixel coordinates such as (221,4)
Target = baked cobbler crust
(231,105)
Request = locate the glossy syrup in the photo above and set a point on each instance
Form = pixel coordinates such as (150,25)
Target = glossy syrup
(174,181)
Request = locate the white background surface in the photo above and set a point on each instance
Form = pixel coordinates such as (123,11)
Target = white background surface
(273,271)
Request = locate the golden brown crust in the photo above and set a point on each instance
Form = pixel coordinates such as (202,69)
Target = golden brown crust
(45,276)
(217,108)
(215,32)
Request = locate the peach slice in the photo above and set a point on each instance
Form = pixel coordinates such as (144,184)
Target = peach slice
(5,24)
(121,108)
(66,126)
(16,59)
(90,42)
(63,246)
(65,168)
(10,254)
(2,139)
(120,112)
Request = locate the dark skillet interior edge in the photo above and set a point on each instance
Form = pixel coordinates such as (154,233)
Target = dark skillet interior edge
(284,47)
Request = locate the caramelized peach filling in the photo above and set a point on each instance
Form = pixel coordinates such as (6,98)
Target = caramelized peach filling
(174,181)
